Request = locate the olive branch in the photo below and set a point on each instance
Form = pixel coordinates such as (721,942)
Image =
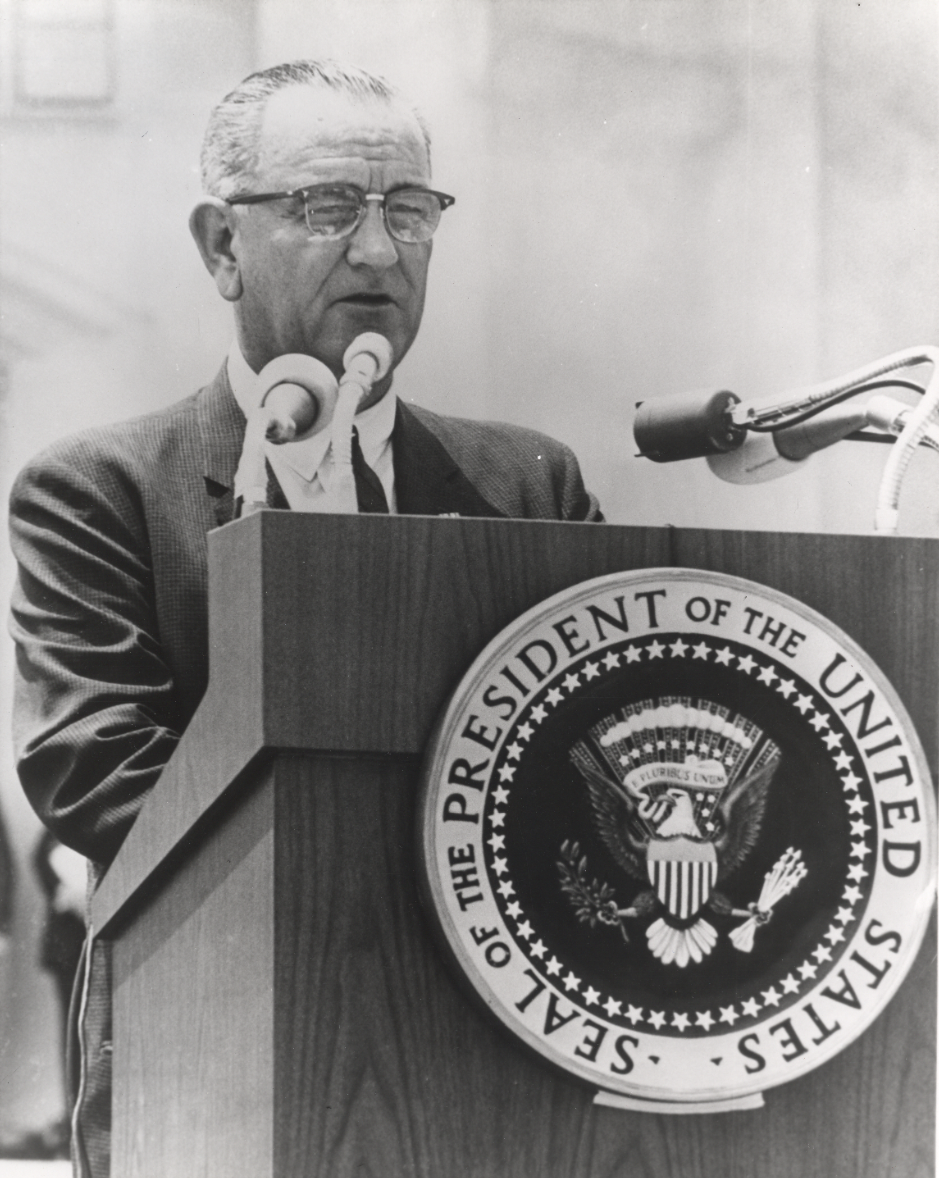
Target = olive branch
(593,902)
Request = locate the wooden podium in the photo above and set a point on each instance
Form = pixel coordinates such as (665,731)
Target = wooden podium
(280,1007)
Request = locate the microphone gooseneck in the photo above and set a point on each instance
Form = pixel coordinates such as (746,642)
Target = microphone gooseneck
(367,359)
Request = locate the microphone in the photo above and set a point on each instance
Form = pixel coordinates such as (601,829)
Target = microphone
(762,440)
(699,424)
(299,397)
(687,425)
(703,423)
(367,359)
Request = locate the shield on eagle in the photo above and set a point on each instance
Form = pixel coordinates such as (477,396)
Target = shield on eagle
(682,873)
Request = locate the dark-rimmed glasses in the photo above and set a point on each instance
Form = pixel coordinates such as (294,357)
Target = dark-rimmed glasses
(336,210)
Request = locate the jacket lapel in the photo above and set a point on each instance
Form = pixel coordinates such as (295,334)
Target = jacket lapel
(222,433)
(427,480)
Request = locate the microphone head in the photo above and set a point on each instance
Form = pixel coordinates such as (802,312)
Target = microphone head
(374,350)
(687,425)
(299,394)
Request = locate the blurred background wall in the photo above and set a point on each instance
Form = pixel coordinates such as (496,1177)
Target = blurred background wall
(653,195)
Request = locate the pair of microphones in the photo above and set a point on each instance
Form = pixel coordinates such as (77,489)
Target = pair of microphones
(300,397)
(300,394)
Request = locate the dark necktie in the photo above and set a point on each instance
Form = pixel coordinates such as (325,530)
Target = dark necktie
(368,489)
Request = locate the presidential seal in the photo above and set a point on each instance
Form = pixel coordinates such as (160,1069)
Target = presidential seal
(678,833)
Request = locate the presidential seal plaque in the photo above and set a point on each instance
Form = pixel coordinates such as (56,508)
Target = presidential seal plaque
(678,834)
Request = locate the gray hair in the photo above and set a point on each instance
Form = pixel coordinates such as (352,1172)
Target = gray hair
(230,147)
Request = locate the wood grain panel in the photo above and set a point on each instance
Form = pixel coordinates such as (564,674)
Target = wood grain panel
(352,601)
(193,1012)
(225,735)
(297,663)
(418,1082)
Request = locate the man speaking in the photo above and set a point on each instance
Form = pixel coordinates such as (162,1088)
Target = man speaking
(316,226)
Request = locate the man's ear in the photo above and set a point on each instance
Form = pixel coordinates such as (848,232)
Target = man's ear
(212,223)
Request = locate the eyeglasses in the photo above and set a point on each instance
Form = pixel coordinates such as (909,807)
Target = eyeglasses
(333,211)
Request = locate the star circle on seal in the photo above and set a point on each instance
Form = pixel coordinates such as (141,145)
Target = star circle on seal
(678,833)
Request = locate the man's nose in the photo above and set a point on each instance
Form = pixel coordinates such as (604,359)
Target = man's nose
(371,244)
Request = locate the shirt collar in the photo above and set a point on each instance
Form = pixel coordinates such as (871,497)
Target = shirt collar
(375,424)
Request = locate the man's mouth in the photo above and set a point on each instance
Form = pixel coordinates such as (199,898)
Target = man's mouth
(368,300)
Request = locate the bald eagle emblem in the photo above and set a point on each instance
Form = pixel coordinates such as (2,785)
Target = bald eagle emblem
(678,789)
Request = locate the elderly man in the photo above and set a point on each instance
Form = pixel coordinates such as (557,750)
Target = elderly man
(317,227)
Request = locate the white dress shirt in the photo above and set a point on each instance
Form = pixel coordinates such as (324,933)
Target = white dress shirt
(305,469)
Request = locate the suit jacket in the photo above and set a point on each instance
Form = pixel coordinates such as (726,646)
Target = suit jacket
(109,613)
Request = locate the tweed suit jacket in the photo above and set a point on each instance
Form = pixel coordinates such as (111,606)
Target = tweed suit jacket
(109,612)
